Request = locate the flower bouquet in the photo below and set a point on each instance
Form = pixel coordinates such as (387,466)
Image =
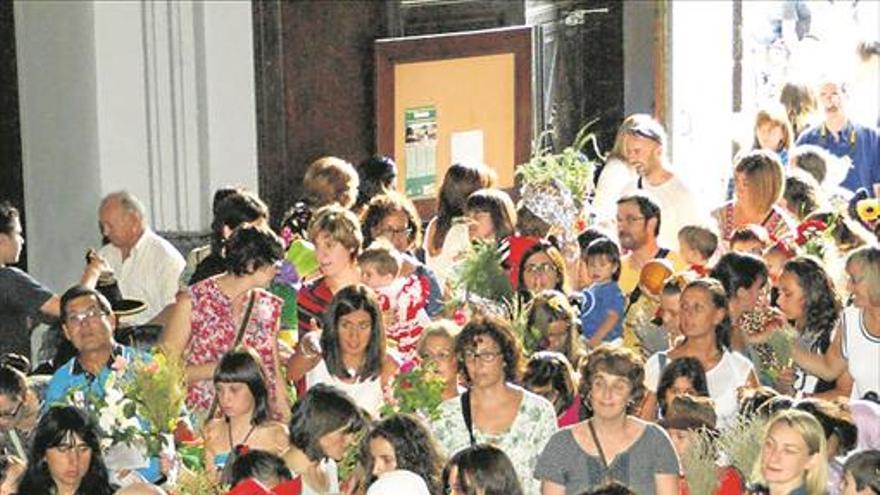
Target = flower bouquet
(114,414)
(197,482)
(157,388)
(415,390)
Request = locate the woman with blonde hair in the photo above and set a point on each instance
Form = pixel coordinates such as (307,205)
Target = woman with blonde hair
(615,175)
(792,459)
(758,183)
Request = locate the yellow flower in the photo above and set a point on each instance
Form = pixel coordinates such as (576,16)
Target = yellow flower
(868,209)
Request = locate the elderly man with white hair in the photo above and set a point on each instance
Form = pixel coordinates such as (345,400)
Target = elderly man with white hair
(147,266)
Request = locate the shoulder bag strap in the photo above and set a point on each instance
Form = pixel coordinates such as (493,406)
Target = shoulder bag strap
(466,414)
(608,477)
(238,338)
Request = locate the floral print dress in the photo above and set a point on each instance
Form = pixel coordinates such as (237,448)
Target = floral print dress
(533,426)
(213,334)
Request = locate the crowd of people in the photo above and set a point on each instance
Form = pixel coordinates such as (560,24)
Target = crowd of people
(669,324)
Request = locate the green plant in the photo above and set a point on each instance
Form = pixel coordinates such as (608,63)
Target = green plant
(481,274)
(571,167)
(416,390)
(698,463)
(741,441)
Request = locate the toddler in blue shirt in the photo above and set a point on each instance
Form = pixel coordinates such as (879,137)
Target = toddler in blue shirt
(602,312)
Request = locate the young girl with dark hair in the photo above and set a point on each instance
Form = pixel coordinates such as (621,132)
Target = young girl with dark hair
(480,470)
(243,402)
(808,299)
(323,424)
(402,442)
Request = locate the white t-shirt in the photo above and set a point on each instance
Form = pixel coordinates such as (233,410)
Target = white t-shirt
(729,374)
(862,352)
(678,207)
(616,175)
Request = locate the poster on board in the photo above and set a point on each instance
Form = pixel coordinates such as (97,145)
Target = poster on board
(420,150)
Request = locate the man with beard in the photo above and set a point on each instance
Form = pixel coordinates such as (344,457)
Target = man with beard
(638,228)
(645,148)
(844,138)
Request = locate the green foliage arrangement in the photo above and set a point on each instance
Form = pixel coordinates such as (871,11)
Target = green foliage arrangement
(741,442)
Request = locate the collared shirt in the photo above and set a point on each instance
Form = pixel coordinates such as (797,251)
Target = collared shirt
(72,376)
(151,273)
(860,143)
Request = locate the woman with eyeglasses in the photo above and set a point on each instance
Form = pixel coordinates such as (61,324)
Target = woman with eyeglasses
(612,445)
(437,349)
(228,310)
(542,267)
(705,325)
(494,410)
(352,354)
(393,216)
(65,458)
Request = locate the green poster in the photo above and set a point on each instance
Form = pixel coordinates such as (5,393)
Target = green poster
(420,150)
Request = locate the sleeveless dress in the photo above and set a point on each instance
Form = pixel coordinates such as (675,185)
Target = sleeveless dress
(862,352)
(367,394)
(213,333)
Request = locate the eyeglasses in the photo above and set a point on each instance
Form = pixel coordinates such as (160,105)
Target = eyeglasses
(628,220)
(92,313)
(13,413)
(618,388)
(545,267)
(483,357)
(392,232)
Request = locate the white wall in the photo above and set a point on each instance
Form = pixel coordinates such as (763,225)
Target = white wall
(59,133)
(152,96)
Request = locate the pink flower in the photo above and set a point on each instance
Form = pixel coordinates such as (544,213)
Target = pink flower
(152,368)
(119,364)
(408,366)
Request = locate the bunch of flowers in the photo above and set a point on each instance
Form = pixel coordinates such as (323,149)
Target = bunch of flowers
(110,409)
(417,389)
(814,236)
(157,388)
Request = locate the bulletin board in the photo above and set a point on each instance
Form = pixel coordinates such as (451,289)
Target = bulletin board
(454,97)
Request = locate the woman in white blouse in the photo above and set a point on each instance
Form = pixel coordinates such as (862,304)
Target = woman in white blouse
(705,324)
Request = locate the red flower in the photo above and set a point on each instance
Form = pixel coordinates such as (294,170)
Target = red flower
(808,229)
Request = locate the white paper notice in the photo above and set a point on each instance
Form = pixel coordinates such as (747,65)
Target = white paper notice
(467,147)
